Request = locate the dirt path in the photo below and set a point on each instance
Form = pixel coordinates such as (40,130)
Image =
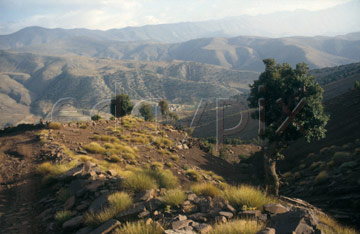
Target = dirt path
(18,185)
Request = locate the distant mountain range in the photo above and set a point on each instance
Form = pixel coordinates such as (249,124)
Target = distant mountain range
(241,53)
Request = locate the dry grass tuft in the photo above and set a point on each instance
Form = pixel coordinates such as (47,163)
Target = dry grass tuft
(248,196)
(54,125)
(238,226)
(330,226)
(140,228)
(174,197)
(205,189)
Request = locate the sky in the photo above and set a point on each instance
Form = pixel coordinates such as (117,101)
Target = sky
(107,14)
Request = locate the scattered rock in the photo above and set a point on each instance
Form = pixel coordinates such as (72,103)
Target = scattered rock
(145,195)
(203,228)
(69,204)
(180,224)
(249,214)
(226,214)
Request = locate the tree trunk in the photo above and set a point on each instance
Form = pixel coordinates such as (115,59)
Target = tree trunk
(271,178)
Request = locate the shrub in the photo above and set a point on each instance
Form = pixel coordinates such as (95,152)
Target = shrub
(118,202)
(63,216)
(162,142)
(95,148)
(193,174)
(321,177)
(138,182)
(247,195)
(54,125)
(174,197)
(205,189)
(341,157)
(238,226)
(96,117)
(121,105)
(146,112)
(140,228)
(169,164)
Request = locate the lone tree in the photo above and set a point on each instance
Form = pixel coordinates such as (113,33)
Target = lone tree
(164,108)
(121,105)
(147,112)
(292,108)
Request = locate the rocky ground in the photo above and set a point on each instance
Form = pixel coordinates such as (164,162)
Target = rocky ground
(64,178)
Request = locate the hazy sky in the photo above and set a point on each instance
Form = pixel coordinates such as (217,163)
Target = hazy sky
(106,14)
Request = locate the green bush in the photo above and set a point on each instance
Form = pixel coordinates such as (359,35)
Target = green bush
(138,182)
(96,117)
(63,216)
(194,175)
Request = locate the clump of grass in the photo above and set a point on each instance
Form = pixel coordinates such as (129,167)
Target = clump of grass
(140,228)
(193,174)
(156,166)
(164,151)
(54,125)
(162,142)
(109,138)
(214,175)
(169,164)
(205,189)
(115,158)
(164,178)
(95,148)
(118,202)
(83,126)
(49,170)
(63,216)
(138,182)
(247,195)
(174,157)
(238,226)
(321,177)
(330,226)
(174,197)
(341,157)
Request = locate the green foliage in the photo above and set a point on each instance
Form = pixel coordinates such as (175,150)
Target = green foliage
(205,189)
(223,152)
(146,112)
(291,85)
(357,85)
(96,117)
(174,197)
(164,108)
(121,105)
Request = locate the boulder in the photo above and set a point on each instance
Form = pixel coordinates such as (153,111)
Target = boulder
(267,231)
(107,227)
(180,224)
(249,214)
(98,203)
(300,221)
(275,209)
(69,204)
(73,223)
(226,214)
(203,228)
(145,195)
